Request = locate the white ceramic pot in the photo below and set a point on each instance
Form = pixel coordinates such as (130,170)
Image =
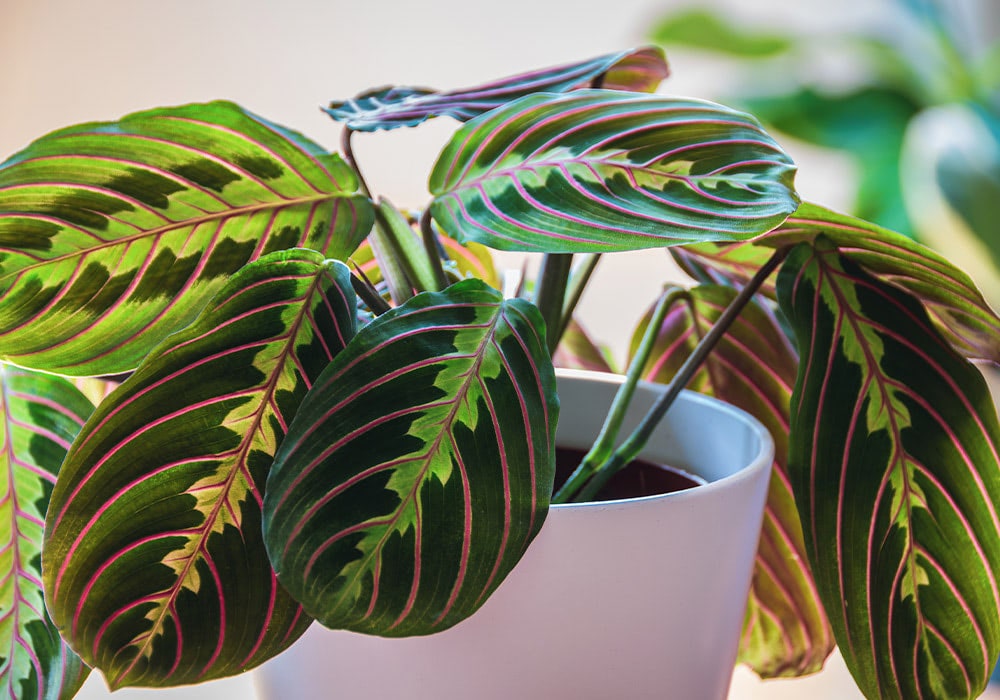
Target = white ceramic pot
(639,598)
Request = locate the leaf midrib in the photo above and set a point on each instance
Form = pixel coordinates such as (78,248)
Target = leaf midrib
(170,596)
(179,225)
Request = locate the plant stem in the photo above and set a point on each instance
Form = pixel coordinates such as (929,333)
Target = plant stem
(605,442)
(348,150)
(431,247)
(577,284)
(634,443)
(551,293)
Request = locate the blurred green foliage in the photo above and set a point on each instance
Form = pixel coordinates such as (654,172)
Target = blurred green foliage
(919,114)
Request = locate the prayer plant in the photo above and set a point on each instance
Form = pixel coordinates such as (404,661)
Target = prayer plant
(322,410)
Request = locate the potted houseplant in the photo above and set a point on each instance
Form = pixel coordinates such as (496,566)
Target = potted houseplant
(268,426)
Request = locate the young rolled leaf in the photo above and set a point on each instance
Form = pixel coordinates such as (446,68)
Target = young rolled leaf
(638,70)
(41,415)
(113,235)
(420,466)
(600,171)
(155,567)
(894,464)
(753,367)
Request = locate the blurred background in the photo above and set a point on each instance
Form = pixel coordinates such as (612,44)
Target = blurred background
(890,107)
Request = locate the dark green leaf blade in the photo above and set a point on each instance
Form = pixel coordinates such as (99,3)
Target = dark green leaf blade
(113,235)
(154,562)
(420,467)
(600,171)
(639,70)
(42,414)
(753,367)
(894,464)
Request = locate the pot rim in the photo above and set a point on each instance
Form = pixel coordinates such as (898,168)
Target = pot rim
(761,460)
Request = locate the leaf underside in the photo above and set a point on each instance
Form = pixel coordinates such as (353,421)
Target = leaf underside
(951,298)
(419,468)
(753,367)
(894,464)
(41,416)
(601,171)
(113,235)
(155,567)
(638,70)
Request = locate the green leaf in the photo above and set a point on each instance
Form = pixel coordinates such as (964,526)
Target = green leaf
(113,235)
(726,264)
(639,70)
(753,367)
(154,562)
(951,298)
(460,261)
(419,467)
(598,171)
(704,29)
(42,414)
(894,464)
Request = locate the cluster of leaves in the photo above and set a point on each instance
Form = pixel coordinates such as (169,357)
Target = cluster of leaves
(281,451)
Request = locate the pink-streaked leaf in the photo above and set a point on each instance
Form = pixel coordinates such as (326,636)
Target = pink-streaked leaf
(470,260)
(577,350)
(949,295)
(460,261)
(729,264)
(154,562)
(419,467)
(894,465)
(753,367)
(40,415)
(600,171)
(637,70)
(114,235)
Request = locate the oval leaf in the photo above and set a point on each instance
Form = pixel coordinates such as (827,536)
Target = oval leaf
(639,70)
(154,563)
(42,414)
(894,463)
(753,367)
(114,235)
(420,467)
(599,171)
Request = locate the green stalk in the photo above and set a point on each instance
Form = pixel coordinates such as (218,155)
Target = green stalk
(400,286)
(604,444)
(634,443)
(553,278)
(577,284)
(431,249)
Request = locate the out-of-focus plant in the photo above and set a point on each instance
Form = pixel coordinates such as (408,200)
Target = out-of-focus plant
(919,114)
